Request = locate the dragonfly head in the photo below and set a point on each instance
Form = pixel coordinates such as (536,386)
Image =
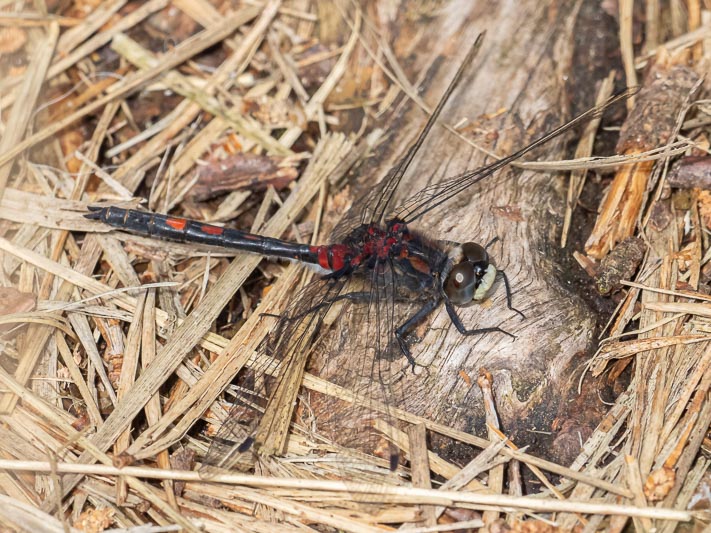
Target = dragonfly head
(471,274)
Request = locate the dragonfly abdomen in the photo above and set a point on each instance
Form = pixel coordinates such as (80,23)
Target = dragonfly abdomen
(186,230)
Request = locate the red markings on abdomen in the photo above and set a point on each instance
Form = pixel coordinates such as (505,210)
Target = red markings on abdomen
(176,223)
(212,230)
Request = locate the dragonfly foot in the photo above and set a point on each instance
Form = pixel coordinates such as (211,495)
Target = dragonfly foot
(520,313)
(513,337)
(405,349)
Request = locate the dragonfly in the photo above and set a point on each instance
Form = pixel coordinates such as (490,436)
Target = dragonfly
(386,277)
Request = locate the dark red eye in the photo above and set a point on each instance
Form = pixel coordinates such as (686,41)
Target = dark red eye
(461,283)
(475,253)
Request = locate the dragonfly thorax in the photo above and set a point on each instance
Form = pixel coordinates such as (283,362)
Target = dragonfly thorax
(470,275)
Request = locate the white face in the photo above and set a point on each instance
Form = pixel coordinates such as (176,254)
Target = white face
(485,284)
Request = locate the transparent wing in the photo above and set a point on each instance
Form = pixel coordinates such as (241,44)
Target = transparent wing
(349,416)
(259,418)
(373,205)
(434,195)
(368,382)
(366,209)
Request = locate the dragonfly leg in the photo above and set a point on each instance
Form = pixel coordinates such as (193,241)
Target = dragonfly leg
(464,331)
(411,323)
(507,285)
(508,293)
(492,241)
(353,296)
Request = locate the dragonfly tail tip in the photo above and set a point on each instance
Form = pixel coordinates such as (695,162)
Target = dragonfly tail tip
(95,213)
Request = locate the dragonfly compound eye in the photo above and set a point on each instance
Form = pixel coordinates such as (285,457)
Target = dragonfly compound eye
(471,278)
(476,253)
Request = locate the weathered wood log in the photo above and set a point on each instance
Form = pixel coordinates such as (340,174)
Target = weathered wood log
(514,92)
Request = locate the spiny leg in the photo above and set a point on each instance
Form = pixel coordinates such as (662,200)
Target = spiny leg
(507,285)
(411,323)
(508,293)
(464,331)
